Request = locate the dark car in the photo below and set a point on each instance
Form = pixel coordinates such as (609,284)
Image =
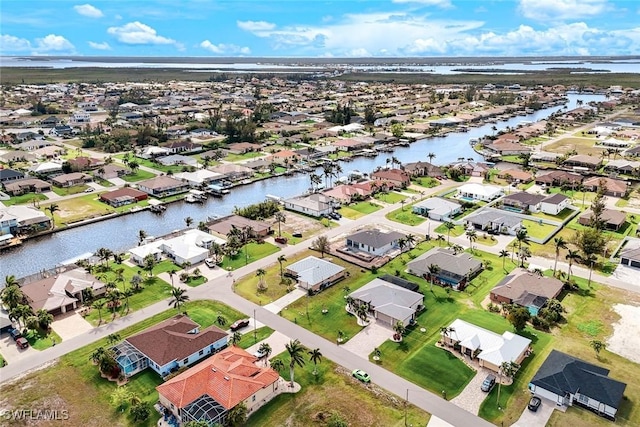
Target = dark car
(22,343)
(15,334)
(534,403)
(238,324)
(488,383)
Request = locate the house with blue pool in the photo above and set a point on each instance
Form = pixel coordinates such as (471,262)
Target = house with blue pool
(168,346)
(526,289)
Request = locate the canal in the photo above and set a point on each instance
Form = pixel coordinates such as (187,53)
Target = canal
(121,233)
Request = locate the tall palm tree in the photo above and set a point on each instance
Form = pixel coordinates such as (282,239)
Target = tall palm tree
(449,226)
(260,273)
(280,218)
(559,243)
(265,350)
(281,259)
(315,356)
(295,350)
(10,280)
(571,257)
(12,296)
(440,239)
(434,269)
(221,320)
(472,236)
(53,208)
(504,254)
(431,156)
(523,254)
(522,236)
(98,305)
(126,294)
(188,221)
(410,240)
(113,297)
(20,313)
(141,236)
(179,297)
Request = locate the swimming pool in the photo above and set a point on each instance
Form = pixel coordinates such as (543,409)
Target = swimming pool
(467,199)
(511,209)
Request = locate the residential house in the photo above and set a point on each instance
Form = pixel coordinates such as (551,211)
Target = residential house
(471,168)
(630,254)
(50,122)
(494,220)
(374,242)
(347,193)
(623,166)
(515,175)
(63,292)
(71,179)
(84,163)
(389,303)
(10,175)
(64,131)
(8,224)
(398,177)
(243,147)
(522,202)
(137,254)
(177,159)
(163,186)
(202,133)
(183,146)
(27,185)
(79,117)
(505,148)
(611,187)
(526,289)
(490,349)
(559,179)
(46,168)
(232,172)
(567,380)
(190,247)
(454,270)
(199,177)
(316,205)
(555,204)
(168,346)
(284,157)
(29,219)
(422,169)
(152,151)
(351,144)
(209,390)
(111,171)
(478,192)
(223,226)
(315,274)
(613,219)
(123,196)
(437,208)
(583,161)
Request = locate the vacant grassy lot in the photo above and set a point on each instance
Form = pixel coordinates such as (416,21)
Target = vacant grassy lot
(358,210)
(66,191)
(245,156)
(537,230)
(456,231)
(581,145)
(249,253)
(139,175)
(426,182)
(74,383)
(391,197)
(406,216)
(85,207)
(334,391)
(24,198)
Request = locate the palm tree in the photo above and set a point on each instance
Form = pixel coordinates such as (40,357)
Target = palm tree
(235,338)
(597,345)
(113,338)
(522,236)
(188,221)
(113,297)
(315,356)
(261,283)
(281,259)
(172,273)
(295,350)
(472,236)
(410,240)
(440,239)
(99,305)
(277,365)
(220,320)
(149,263)
(265,350)
(590,260)
(445,331)
(504,254)
(321,244)
(449,226)
(44,319)
(434,269)
(431,156)
(524,254)
(280,218)
(559,243)
(362,311)
(402,242)
(508,369)
(126,294)
(179,296)
(53,208)
(571,257)
(10,280)
(11,295)
(399,329)
(141,236)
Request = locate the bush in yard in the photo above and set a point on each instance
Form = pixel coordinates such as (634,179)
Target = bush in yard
(540,323)
(140,411)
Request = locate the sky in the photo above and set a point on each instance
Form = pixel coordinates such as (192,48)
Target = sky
(316,28)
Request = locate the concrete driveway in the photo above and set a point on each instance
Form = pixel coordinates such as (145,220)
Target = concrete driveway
(627,274)
(276,340)
(472,397)
(372,336)
(10,352)
(70,325)
(540,418)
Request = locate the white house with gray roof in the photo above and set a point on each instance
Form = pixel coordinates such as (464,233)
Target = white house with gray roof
(315,274)
(437,208)
(389,303)
(316,204)
(453,270)
(375,242)
(495,220)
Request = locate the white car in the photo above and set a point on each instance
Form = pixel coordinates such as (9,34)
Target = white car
(209,262)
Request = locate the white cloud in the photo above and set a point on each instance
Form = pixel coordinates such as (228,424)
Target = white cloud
(438,3)
(100,46)
(13,44)
(88,11)
(53,43)
(137,33)
(561,10)
(255,25)
(222,48)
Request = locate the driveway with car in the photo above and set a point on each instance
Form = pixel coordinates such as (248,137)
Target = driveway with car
(538,418)
(472,396)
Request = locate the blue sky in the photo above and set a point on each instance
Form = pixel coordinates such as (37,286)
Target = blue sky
(316,28)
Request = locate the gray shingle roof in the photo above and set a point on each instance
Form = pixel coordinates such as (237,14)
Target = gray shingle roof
(375,238)
(314,270)
(388,298)
(459,264)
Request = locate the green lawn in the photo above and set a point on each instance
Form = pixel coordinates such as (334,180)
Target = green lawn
(85,207)
(75,381)
(245,156)
(3,362)
(102,182)
(69,190)
(249,253)
(139,175)
(562,215)
(24,198)
(358,210)
(426,182)
(538,230)
(391,197)
(406,216)
(248,339)
(458,230)
(196,281)
(41,340)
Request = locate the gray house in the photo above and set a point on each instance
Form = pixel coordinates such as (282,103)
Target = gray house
(374,242)
(567,380)
(437,208)
(453,270)
(389,303)
(315,274)
(495,220)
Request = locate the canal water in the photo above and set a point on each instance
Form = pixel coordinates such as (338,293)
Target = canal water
(121,233)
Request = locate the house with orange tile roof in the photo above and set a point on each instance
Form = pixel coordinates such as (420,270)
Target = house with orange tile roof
(210,389)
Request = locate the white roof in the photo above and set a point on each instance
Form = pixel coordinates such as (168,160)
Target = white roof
(485,190)
(152,149)
(190,244)
(46,167)
(495,348)
(24,214)
(312,270)
(438,205)
(199,176)
(148,249)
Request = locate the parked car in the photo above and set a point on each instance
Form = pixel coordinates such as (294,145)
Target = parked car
(534,403)
(259,354)
(297,235)
(15,334)
(22,343)
(238,324)
(209,262)
(488,383)
(361,375)
(89,190)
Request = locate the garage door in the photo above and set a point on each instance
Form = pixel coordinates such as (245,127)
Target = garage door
(635,264)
